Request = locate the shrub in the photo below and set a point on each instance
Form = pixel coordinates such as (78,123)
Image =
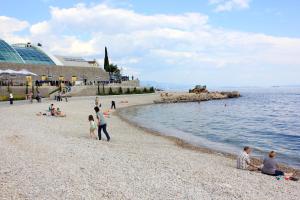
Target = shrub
(152,90)
(128,91)
(120,90)
(26,89)
(8,89)
(32,89)
(110,92)
(145,90)
(138,91)
(98,90)
(134,90)
(16,98)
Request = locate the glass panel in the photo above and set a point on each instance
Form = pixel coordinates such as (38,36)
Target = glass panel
(33,55)
(8,54)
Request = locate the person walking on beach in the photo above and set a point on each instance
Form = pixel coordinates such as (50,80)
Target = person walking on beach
(11,99)
(271,166)
(101,124)
(97,104)
(243,160)
(38,97)
(30,97)
(113,105)
(93,127)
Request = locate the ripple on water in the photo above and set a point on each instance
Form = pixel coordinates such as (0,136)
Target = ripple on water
(265,120)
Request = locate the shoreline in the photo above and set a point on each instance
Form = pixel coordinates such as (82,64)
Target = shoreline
(186,145)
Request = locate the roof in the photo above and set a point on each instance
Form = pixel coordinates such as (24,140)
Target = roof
(76,61)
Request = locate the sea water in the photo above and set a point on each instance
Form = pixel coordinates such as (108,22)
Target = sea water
(265,119)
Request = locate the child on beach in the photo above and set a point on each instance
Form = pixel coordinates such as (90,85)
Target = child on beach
(93,126)
(97,103)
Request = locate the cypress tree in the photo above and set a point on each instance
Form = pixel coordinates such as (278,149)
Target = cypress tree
(106,61)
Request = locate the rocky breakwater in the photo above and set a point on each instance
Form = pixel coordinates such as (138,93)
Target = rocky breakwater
(193,97)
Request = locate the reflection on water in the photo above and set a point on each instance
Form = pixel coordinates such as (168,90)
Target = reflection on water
(264,119)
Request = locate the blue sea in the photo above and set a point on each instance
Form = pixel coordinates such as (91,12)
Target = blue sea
(263,118)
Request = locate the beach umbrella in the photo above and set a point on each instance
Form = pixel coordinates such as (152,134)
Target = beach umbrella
(26,73)
(9,72)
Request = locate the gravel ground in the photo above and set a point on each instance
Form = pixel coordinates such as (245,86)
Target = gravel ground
(53,158)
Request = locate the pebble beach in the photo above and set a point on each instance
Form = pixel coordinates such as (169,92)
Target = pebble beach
(44,157)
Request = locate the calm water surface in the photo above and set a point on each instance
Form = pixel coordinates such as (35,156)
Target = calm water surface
(265,119)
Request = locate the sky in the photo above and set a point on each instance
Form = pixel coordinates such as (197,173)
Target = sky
(208,42)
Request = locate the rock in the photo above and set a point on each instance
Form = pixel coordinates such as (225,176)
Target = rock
(197,97)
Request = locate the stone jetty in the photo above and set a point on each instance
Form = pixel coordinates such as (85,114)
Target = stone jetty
(194,97)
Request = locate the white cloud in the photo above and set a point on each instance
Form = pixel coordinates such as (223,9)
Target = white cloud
(168,44)
(9,26)
(228,5)
(40,28)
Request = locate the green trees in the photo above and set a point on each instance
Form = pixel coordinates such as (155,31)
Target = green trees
(98,90)
(110,92)
(112,69)
(120,90)
(152,90)
(106,61)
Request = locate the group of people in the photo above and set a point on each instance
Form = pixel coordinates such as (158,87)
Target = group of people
(56,111)
(100,122)
(98,104)
(29,97)
(60,96)
(52,111)
(269,166)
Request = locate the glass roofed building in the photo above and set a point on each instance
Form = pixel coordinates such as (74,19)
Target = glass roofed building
(48,67)
(27,53)
(23,53)
(9,54)
(32,54)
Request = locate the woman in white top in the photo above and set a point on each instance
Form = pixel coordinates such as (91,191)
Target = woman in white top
(11,99)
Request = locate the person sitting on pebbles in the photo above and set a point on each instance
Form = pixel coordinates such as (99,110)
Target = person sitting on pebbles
(271,167)
(59,113)
(244,162)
